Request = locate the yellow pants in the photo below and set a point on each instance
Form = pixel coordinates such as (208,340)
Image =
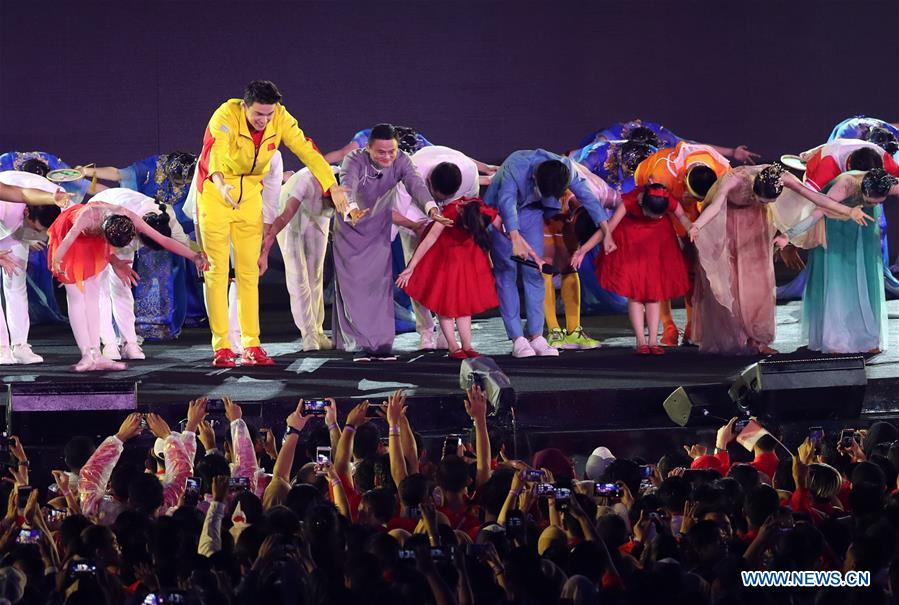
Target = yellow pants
(221,228)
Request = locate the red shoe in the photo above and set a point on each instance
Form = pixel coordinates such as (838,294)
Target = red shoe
(458,354)
(643,350)
(255,356)
(656,350)
(224,358)
(471,353)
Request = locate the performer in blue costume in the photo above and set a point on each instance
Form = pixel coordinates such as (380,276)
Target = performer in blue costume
(659,136)
(166,178)
(42,305)
(886,136)
(843,309)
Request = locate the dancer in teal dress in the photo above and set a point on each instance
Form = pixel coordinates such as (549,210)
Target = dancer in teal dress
(844,308)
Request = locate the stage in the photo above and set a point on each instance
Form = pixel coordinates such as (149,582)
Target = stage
(605,390)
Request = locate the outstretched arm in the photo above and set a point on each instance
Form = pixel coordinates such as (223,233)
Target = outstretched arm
(33,197)
(683,218)
(712,209)
(104,173)
(166,242)
(422,249)
(823,201)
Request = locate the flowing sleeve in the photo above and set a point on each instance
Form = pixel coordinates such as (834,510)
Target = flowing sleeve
(712,250)
(95,474)
(792,210)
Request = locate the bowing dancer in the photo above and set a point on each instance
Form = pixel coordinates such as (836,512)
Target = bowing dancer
(240,140)
(648,265)
(733,300)
(688,171)
(450,271)
(525,190)
(449,175)
(302,230)
(563,235)
(80,249)
(362,314)
(29,204)
(843,306)
(154,302)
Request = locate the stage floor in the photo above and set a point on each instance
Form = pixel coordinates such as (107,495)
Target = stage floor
(178,371)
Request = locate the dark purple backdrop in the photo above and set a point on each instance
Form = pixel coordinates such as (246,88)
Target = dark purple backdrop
(113,82)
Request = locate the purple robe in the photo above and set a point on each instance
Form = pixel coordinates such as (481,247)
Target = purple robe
(362,315)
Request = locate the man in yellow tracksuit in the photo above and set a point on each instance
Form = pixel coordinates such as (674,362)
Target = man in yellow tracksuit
(240,140)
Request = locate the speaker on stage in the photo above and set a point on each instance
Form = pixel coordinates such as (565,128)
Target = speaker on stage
(50,412)
(484,372)
(795,389)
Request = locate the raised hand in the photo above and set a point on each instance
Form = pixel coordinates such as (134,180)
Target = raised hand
(158,426)
(196,413)
(130,428)
(476,403)
(742,154)
(395,404)
(232,410)
(357,416)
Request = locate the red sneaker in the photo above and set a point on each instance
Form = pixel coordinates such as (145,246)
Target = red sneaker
(255,356)
(224,358)
(656,350)
(457,354)
(471,353)
(643,350)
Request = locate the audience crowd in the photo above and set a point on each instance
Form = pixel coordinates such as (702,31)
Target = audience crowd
(224,513)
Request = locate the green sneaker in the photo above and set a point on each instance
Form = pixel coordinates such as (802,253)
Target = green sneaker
(579,340)
(556,338)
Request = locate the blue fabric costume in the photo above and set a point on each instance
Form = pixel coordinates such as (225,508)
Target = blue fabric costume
(854,128)
(169,293)
(522,207)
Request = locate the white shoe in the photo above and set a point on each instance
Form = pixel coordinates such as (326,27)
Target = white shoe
(428,341)
(542,348)
(310,343)
(522,348)
(324,343)
(132,350)
(6,358)
(102,363)
(86,364)
(111,351)
(24,355)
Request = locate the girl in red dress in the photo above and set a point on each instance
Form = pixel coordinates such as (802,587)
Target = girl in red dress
(648,265)
(450,272)
(79,249)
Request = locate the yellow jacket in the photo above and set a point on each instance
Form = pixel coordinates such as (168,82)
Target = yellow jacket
(228,148)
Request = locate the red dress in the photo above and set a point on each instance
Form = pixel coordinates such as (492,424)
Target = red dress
(86,257)
(648,265)
(454,278)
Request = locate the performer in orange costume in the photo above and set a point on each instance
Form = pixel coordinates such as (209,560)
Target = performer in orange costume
(688,171)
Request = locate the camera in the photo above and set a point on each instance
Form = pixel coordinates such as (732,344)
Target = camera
(23,495)
(739,425)
(847,436)
(322,457)
(451,445)
(237,484)
(82,568)
(315,407)
(533,475)
(545,490)
(816,434)
(646,471)
(192,491)
(562,497)
(215,406)
(165,598)
(607,490)
(28,535)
